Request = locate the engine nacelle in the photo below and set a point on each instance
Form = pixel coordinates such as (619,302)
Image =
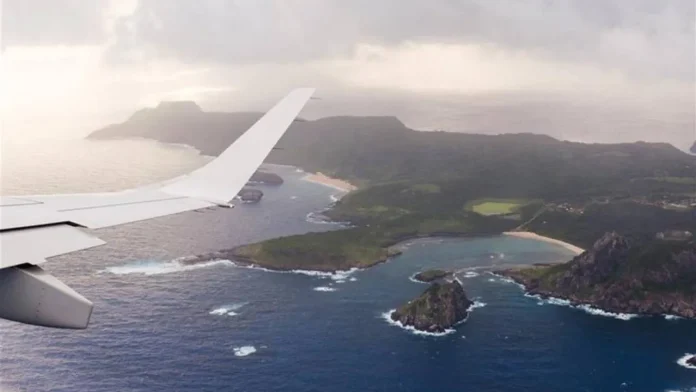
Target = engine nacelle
(30,295)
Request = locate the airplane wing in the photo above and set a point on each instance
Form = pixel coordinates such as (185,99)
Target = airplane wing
(34,228)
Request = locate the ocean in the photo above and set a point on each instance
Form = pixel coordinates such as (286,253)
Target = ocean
(162,325)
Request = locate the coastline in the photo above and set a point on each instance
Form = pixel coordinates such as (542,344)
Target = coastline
(529,235)
(323,179)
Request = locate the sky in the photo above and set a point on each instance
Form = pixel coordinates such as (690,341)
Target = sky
(591,71)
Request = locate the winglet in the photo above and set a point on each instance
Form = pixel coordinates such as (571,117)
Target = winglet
(221,179)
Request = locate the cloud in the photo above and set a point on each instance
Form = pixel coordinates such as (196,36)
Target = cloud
(52,22)
(642,38)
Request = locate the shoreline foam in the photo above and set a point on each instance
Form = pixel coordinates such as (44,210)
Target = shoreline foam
(534,236)
(682,361)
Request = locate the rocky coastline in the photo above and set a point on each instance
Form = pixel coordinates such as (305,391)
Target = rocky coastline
(620,277)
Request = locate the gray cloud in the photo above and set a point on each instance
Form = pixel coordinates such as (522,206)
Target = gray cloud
(642,38)
(52,22)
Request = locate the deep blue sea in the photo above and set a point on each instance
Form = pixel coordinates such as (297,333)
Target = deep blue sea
(159,325)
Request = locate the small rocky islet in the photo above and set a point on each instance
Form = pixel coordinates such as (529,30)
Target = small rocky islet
(440,307)
(431,275)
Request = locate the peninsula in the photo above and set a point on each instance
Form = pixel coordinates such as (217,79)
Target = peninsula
(621,275)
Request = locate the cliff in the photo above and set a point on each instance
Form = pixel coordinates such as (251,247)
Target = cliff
(617,275)
(440,307)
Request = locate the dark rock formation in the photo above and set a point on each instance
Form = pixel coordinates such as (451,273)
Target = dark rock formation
(250,195)
(440,307)
(691,361)
(652,278)
(431,275)
(265,178)
(693,148)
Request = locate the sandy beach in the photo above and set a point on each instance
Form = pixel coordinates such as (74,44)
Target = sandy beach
(323,179)
(526,234)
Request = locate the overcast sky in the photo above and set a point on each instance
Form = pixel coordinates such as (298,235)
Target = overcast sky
(610,70)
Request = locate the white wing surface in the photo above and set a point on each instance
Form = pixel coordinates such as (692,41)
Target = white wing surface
(33,228)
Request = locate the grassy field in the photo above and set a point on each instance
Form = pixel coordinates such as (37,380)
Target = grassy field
(495,206)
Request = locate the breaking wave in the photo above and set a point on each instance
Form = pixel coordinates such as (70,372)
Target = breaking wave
(244,351)
(162,267)
(338,276)
(672,317)
(324,288)
(584,307)
(227,310)
(387,316)
(476,305)
(471,274)
(682,361)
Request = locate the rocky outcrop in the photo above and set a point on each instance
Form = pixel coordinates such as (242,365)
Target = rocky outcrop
(431,275)
(250,195)
(693,148)
(651,278)
(439,308)
(691,361)
(265,178)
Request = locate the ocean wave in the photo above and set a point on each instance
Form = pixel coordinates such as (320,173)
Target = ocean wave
(227,310)
(324,289)
(244,351)
(672,317)
(413,279)
(161,267)
(505,279)
(471,274)
(387,317)
(599,312)
(476,305)
(293,197)
(682,361)
(340,275)
(584,307)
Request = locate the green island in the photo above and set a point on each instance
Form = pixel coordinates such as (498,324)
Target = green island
(417,184)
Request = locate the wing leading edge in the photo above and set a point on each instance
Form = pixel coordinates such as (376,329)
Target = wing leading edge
(33,228)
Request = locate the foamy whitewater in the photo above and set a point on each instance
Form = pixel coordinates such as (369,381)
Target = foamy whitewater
(244,351)
(162,267)
(584,307)
(227,310)
(324,288)
(387,317)
(682,361)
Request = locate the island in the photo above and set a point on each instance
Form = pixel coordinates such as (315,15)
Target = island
(414,184)
(432,275)
(439,308)
(622,275)
(265,178)
(693,148)
(250,195)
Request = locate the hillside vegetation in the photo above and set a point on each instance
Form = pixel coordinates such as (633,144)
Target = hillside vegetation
(436,183)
